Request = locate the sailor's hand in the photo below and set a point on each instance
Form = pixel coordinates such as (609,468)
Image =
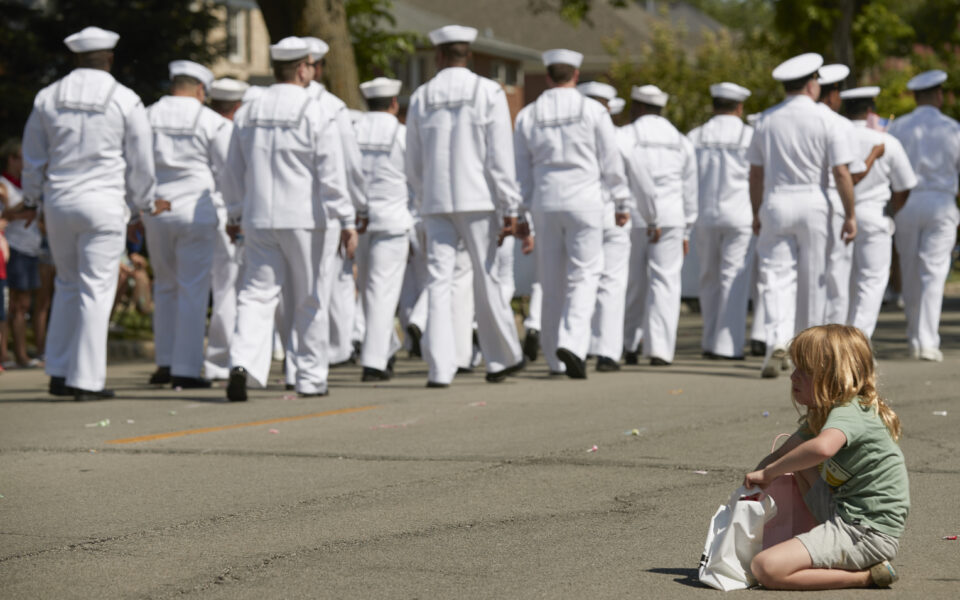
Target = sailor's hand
(348,243)
(653,234)
(362,224)
(621,218)
(686,247)
(20,213)
(233,231)
(160,206)
(849,229)
(527,244)
(509,228)
(756,225)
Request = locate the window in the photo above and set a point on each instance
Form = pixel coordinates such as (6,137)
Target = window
(238,21)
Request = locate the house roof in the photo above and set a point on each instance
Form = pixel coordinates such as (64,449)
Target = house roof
(509,28)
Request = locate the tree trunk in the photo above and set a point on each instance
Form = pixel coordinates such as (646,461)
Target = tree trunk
(842,35)
(327,20)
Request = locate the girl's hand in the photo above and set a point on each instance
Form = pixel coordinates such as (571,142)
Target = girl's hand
(758,479)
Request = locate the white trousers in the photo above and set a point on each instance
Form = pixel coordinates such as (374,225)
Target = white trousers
(381,262)
(496,329)
(287,259)
(607,323)
(758,327)
(569,264)
(839,262)
(635,311)
(725,268)
(86,243)
(225,282)
(413,294)
(791,249)
(505,260)
(463,307)
(872,250)
(536,303)
(343,304)
(181,255)
(925,237)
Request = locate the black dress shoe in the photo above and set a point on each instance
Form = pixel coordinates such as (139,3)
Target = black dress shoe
(313,394)
(391,363)
(437,385)
(709,355)
(237,386)
(725,357)
(84,395)
(464,370)
(498,376)
(190,383)
(605,364)
(58,387)
(576,368)
(161,376)
(631,358)
(371,374)
(415,334)
(758,348)
(289,386)
(343,363)
(656,361)
(531,344)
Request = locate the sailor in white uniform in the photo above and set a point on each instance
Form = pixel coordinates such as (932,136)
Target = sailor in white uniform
(724,234)
(795,145)
(889,181)
(460,165)
(839,254)
(927,224)
(606,340)
(226,96)
(190,144)
(87,151)
(654,286)
(285,176)
(384,247)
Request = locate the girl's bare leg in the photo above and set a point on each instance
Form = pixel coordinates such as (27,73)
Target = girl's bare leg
(787,566)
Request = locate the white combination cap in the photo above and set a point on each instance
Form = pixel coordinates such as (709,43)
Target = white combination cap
(797,67)
(561,56)
(318,47)
(452,34)
(192,69)
(91,39)
(615,105)
(597,89)
(289,48)
(830,74)
(729,91)
(649,94)
(870,91)
(228,89)
(926,80)
(381,87)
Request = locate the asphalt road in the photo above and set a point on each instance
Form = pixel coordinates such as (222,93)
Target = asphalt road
(396,491)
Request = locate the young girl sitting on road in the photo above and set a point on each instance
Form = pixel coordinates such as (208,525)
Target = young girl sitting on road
(848,466)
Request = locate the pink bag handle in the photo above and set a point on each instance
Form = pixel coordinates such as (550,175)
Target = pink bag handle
(777,439)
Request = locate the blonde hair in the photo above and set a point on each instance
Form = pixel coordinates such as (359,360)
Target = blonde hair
(839,360)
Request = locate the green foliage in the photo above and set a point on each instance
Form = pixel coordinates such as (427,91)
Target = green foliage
(152,33)
(374,44)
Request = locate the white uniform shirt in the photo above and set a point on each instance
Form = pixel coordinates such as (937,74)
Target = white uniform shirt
(672,163)
(190,144)
(383,142)
(566,149)
(285,165)
(892,170)
(724,173)
(348,141)
(23,238)
(460,145)
(932,142)
(797,143)
(642,189)
(88,139)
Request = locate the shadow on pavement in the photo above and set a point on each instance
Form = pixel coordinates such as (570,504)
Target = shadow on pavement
(688,577)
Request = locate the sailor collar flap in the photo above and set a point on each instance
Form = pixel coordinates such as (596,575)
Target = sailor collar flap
(552,109)
(707,142)
(174,118)
(279,110)
(375,139)
(452,91)
(642,142)
(85,92)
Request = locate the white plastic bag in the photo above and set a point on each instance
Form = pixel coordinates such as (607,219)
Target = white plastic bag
(735,537)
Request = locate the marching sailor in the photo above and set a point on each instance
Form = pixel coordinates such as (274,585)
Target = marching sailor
(890,180)
(460,165)
(88,154)
(927,224)
(190,143)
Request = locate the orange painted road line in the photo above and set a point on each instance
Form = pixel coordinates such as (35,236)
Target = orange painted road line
(163,436)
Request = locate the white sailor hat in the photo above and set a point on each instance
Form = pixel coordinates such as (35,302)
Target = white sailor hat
(926,80)
(752,119)
(830,74)
(381,87)
(870,91)
(192,69)
(797,67)
(615,105)
(91,39)
(729,91)
(560,56)
(649,94)
(228,89)
(598,89)
(289,48)
(318,47)
(451,34)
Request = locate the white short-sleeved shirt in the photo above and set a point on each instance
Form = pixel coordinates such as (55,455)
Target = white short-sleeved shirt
(932,142)
(890,171)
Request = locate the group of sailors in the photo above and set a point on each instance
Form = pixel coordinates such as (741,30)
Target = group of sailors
(270,196)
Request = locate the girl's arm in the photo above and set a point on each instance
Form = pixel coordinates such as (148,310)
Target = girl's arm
(792,442)
(803,456)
